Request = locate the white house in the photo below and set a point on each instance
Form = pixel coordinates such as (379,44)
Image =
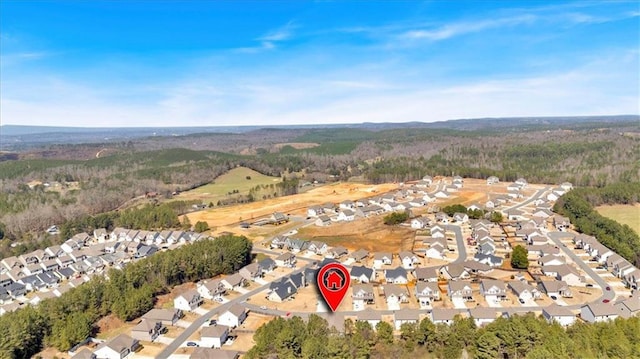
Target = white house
(396,276)
(214,336)
(188,301)
(211,289)
(362,274)
(598,312)
(233,317)
(346,215)
(405,316)
(420,222)
(493,290)
(561,315)
(482,315)
(382,258)
(436,250)
(523,290)
(394,295)
(443,315)
(409,260)
(427,293)
(119,347)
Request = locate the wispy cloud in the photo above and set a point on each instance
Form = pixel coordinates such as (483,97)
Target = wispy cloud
(461,28)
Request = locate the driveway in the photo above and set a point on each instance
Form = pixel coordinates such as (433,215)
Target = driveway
(200,311)
(393,306)
(183,323)
(261,281)
(494,303)
(164,340)
(242,290)
(458,303)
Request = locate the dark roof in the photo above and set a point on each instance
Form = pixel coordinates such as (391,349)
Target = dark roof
(357,271)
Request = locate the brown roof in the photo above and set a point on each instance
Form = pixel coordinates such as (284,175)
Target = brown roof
(214,331)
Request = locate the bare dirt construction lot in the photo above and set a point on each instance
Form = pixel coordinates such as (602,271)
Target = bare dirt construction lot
(368,233)
(294,204)
(110,326)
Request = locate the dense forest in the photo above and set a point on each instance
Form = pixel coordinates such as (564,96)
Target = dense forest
(524,336)
(578,206)
(587,154)
(65,321)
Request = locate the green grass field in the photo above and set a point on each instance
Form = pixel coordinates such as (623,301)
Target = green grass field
(622,213)
(236,179)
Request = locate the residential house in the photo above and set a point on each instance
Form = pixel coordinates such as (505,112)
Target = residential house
(267,265)
(483,315)
(147,330)
(436,250)
(359,255)
(524,290)
(296,245)
(251,272)
(629,307)
(460,290)
(396,276)
(285,260)
(211,289)
(278,242)
(234,281)
(443,315)
(362,294)
(558,314)
(476,268)
(282,290)
(323,221)
(100,235)
(426,274)
(347,204)
(599,312)
(394,295)
(314,211)
(362,274)
(346,215)
(405,316)
(492,180)
(117,348)
(409,260)
(84,354)
(188,301)
(441,194)
(427,293)
(209,353)
(233,317)
(490,259)
(493,290)
(569,275)
(214,336)
(561,223)
(370,316)
(420,222)
(336,252)
(165,316)
(551,260)
(454,271)
(487,247)
(555,288)
(317,247)
(461,217)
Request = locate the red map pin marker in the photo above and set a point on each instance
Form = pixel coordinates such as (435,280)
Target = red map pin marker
(333,281)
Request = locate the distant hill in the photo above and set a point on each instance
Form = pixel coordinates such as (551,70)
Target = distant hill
(19,137)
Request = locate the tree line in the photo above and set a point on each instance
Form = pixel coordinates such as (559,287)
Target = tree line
(65,321)
(578,205)
(519,336)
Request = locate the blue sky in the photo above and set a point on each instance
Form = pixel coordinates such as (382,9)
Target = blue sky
(197,63)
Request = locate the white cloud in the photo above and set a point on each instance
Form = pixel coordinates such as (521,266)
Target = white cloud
(597,87)
(461,28)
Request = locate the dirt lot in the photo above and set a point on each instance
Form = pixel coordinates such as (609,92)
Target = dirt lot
(110,326)
(295,204)
(368,233)
(166,300)
(149,350)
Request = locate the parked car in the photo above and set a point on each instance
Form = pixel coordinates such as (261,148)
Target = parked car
(264,307)
(553,297)
(605,301)
(608,288)
(213,322)
(589,285)
(521,300)
(192,344)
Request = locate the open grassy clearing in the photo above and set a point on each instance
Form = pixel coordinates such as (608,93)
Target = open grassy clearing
(236,179)
(623,213)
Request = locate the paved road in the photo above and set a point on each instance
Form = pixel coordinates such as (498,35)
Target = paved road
(534,197)
(462,250)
